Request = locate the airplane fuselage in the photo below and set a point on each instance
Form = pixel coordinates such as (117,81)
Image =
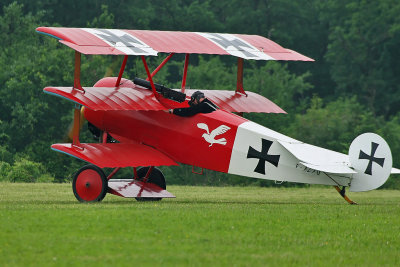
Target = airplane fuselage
(178,137)
(219,141)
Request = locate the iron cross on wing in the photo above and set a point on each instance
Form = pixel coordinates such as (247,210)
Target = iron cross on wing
(263,156)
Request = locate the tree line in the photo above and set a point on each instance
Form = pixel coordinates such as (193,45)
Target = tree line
(351,88)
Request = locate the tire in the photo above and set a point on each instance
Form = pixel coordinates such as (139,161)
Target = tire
(156,177)
(90,184)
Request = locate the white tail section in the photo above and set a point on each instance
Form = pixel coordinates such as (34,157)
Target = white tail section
(371,158)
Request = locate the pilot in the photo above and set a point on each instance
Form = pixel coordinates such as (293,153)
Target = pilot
(198,104)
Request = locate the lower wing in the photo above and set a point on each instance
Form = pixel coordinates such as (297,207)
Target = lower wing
(113,155)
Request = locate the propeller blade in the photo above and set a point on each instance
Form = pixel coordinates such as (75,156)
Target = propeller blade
(70,131)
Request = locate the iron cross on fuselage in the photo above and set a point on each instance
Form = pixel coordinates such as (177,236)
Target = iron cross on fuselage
(371,158)
(263,156)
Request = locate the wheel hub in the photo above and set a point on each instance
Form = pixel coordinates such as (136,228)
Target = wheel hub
(90,184)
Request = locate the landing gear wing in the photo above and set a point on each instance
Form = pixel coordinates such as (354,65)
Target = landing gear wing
(90,184)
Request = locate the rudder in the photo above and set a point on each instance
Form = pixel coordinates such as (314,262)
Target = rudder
(371,157)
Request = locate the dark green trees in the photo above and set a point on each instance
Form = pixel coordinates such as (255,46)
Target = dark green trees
(353,86)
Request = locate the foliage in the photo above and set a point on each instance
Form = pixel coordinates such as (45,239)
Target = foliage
(333,126)
(105,20)
(5,155)
(363,51)
(28,121)
(352,87)
(28,171)
(5,168)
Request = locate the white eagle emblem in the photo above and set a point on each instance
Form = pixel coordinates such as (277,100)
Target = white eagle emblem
(210,137)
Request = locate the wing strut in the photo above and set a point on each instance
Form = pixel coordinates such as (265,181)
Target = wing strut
(77,73)
(161,65)
(185,73)
(77,123)
(121,71)
(239,83)
(153,88)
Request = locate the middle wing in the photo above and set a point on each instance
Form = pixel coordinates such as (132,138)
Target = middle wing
(236,102)
(133,97)
(109,98)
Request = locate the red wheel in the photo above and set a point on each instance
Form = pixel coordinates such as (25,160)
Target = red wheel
(90,184)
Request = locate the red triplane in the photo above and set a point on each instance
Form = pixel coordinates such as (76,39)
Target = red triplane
(133,113)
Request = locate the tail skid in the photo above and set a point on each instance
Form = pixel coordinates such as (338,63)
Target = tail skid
(342,192)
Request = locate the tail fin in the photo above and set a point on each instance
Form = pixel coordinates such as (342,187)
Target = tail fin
(371,157)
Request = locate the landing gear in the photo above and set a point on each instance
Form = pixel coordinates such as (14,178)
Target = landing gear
(90,184)
(155,176)
(342,192)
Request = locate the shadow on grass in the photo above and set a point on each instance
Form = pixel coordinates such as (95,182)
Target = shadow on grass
(132,202)
(137,203)
(218,202)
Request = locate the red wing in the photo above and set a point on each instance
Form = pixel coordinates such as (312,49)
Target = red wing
(143,42)
(109,98)
(126,98)
(234,102)
(116,154)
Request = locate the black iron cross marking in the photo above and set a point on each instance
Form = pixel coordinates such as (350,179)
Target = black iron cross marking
(371,158)
(126,39)
(263,156)
(237,43)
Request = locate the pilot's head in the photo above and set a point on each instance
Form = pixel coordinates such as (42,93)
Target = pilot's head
(197,97)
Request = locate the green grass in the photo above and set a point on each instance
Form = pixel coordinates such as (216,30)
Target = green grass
(43,224)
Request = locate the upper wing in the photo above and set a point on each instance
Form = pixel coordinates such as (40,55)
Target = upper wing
(116,154)
(142,42)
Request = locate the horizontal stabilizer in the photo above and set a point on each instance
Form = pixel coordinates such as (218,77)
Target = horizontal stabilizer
(113,155)
(335,168)
(395,171)
(318,158)
(132,188)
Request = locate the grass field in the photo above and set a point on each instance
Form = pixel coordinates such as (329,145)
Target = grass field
(43,224)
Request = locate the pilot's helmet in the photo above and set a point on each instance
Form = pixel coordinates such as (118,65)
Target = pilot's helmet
(197,96)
